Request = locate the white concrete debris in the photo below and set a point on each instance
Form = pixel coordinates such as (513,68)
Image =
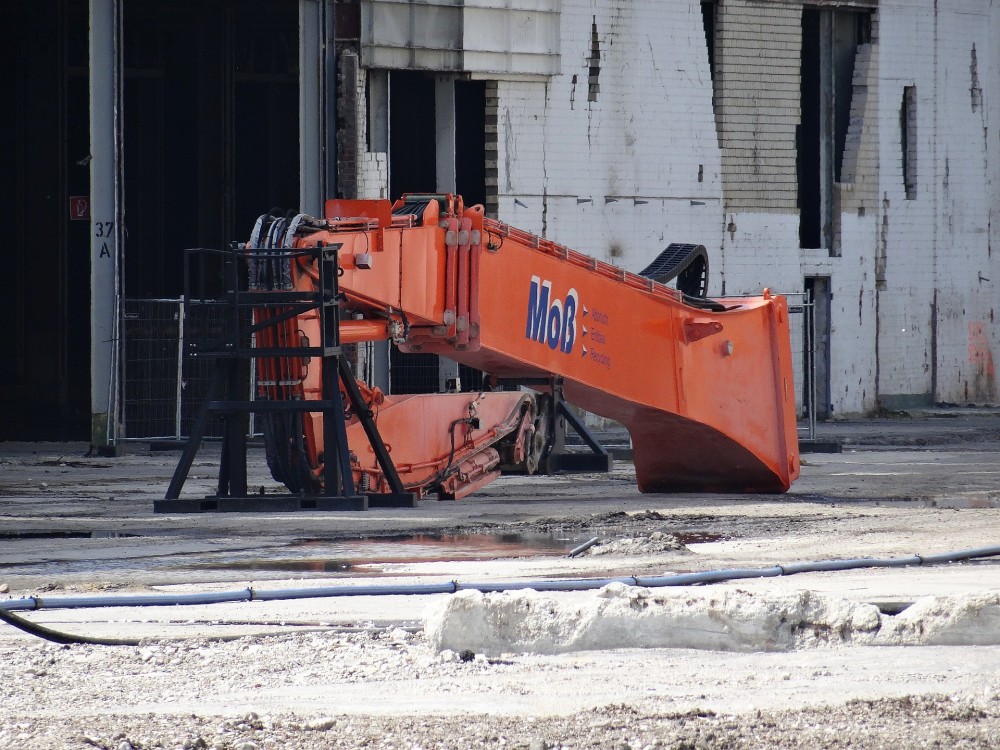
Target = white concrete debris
(620,616)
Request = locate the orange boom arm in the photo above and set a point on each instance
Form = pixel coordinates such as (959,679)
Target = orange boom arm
(703,386)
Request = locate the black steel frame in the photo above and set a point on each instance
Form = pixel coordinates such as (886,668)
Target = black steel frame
(226,395)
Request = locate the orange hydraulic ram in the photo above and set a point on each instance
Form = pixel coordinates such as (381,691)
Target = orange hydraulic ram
(703,387)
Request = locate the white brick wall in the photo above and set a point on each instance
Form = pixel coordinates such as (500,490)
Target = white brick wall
(373,179)
(936,323)
(619,177)
(651,127)
(967,154)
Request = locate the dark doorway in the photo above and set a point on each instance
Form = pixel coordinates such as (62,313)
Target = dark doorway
(412,169)
(211,123)
(44,147)
(816,347)
(211,141)
(210,118)
(470,141)
(412,133)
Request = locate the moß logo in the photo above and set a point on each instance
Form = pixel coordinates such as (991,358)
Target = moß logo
(550,320)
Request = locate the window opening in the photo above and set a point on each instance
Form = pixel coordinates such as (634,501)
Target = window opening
(412,134)
(830,41)
(708,19)
(412,169)
(908,140)
(470,141)
(594,62)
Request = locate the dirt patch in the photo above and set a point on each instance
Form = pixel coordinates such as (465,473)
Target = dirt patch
(657,543)
(929,721)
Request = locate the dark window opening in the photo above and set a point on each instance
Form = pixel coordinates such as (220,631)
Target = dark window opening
(377,104)
(846,34)
(470,141)
(593,83)
(412,135)
(708,20)
(412,169)
(470,171)
(830,41)
(908,140)
(808,134)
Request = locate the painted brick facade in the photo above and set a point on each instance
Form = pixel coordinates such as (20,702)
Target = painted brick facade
(620,158)
(609,177)
(757,51)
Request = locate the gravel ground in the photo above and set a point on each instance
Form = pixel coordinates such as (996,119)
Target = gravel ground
(363,673)
(148,697)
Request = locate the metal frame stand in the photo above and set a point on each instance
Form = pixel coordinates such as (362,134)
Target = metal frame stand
(236,349)
(562,460)
(558,459)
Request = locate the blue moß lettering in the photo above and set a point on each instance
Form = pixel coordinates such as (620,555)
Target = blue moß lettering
(550,320)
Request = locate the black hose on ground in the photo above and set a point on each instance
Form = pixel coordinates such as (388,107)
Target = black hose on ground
(33,628)
(71,639)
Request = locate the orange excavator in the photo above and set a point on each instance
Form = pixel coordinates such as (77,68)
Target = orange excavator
(704,386)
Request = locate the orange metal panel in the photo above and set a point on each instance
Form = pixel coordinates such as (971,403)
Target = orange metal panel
(429,434)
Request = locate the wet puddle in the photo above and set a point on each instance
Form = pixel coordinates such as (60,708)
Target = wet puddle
(970,502)
(151,555)
(319,555)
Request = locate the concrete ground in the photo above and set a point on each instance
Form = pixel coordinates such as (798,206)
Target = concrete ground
(922,483)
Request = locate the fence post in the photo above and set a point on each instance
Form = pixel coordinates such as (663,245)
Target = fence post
(180,368)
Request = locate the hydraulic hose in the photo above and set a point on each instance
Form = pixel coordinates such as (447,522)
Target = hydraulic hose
(450,587)
(57,636)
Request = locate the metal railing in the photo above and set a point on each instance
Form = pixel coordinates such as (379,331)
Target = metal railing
(162,389)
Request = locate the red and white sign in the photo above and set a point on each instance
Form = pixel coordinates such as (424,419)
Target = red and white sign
(79,208)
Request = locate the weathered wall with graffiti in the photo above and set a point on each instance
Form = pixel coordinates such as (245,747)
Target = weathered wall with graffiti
(665,125)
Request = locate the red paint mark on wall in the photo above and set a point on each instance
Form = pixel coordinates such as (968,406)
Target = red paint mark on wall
(981,358)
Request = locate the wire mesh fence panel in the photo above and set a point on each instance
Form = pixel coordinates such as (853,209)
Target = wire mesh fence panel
(413,373)
(163,388)
(420,373)
(472,379)
(206,323)
(151,350)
